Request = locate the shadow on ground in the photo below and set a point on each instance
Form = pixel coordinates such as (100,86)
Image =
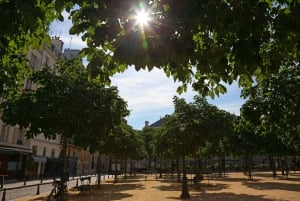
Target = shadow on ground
(272,186)
(202,188)
(223,196)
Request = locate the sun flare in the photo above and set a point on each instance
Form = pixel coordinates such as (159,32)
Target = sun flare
(142,18)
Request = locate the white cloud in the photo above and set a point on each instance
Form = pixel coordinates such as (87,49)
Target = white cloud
(145,91)
(148,94)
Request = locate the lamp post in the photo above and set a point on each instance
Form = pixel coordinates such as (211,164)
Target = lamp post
(184,192)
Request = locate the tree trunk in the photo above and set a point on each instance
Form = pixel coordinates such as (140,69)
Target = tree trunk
(178,170)
(220,165)
(116,174)
(198,167)
(125,169)
(184,192)
(99,169)
(63,178)
(172,168)
(286,167)
(272,165)
(223,162)
(248,164)
(149,163)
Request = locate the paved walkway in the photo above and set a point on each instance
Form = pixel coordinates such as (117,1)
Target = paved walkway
(14,190)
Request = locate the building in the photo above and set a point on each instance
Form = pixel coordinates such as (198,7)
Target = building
(33,158)
(14,151)
(71,53)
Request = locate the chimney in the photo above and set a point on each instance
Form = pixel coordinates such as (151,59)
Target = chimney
(146,123)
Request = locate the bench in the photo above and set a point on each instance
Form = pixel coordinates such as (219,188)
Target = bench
(85,186)
(205,176)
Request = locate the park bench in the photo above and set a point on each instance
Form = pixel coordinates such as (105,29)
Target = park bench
(85,186)
(205,176)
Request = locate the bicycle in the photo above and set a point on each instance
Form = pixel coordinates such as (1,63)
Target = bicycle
(56,191)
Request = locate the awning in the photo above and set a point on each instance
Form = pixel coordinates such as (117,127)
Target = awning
(39,159)
(15,149)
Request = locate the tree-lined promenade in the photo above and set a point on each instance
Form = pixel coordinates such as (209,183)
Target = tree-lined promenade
(233,187)
(205,44)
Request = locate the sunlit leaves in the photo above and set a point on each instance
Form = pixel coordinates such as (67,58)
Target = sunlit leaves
(213,36)
(222,40)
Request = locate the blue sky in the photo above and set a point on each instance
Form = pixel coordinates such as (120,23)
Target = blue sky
(148,94)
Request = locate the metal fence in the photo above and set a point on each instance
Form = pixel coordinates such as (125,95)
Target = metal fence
(12,193)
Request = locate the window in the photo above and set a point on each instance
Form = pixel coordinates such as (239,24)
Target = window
(53,153)
(34,62)
(28,84)
(44,151)
(46,62)
(34,149)
(20,136)
(4,132)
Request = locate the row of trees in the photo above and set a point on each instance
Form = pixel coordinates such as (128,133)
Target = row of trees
(271,115)
(269,125)
(69,103)
(203,43)
(81,110)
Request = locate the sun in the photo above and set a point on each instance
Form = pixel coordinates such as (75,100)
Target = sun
(142,18)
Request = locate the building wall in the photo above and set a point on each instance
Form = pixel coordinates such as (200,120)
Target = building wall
(19,157)
(14,151)
(71,53)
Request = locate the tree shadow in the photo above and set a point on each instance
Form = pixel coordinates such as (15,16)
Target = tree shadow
(212,187)
(171,187)
(109,192)
(272,186)
(123,181)
(201,188)
(231,179)
(223,196)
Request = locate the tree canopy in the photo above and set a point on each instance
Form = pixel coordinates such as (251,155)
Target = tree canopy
(203,43)
(66,103)
(273,104)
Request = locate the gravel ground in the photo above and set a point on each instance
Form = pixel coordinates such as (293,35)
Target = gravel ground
(234,186)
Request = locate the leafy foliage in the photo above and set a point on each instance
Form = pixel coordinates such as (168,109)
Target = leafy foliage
(65,102)
(273,104)
(204,125)
(215,42)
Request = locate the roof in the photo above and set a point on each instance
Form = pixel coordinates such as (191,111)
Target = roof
(157,124)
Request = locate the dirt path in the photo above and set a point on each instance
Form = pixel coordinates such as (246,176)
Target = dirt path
(233,187)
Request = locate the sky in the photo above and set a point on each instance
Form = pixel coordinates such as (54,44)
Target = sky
(148,94)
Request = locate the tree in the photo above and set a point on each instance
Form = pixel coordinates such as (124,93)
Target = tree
(66,103)
(126,144)
(149,135)
(24,24)
(272,107)
(206,43)
(246,141)
(169,142)
(207,46)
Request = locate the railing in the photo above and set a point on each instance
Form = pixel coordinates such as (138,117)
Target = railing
(12,193)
